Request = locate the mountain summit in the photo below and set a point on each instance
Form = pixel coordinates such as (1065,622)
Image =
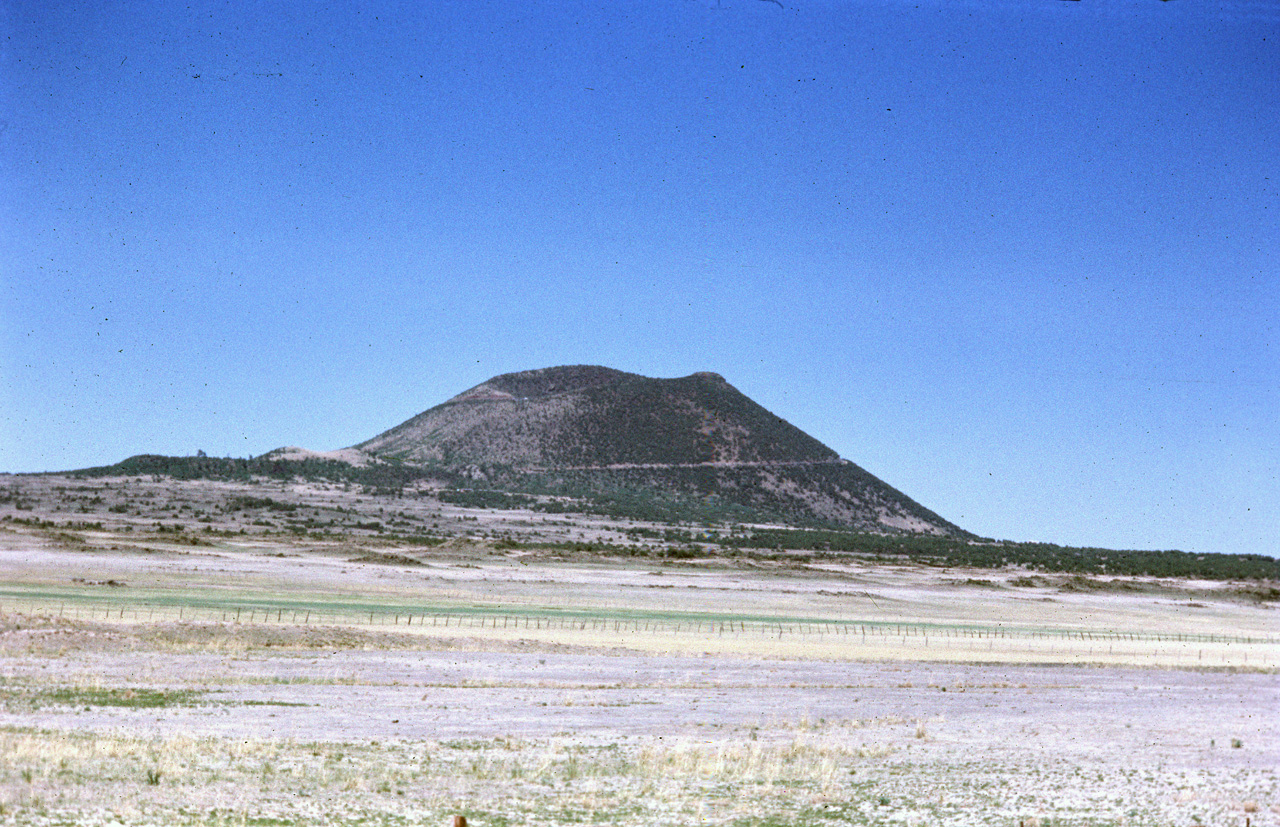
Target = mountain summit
(601,429)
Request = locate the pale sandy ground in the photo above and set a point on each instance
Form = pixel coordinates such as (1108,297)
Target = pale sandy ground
(739,693)
(632,738)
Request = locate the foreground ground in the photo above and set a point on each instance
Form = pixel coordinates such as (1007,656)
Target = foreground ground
(270,679)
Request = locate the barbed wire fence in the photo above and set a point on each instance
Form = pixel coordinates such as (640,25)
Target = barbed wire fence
(1208,649)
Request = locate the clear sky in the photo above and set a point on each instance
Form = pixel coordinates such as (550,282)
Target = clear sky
(1018,258)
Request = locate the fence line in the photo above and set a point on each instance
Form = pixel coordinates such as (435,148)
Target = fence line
(415,618)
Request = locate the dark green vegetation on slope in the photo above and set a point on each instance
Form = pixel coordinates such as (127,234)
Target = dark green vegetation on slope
(388,476)
(1045,557)
(682,494)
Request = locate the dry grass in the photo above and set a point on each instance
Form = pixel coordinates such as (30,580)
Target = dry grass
(807,778)
(79,778)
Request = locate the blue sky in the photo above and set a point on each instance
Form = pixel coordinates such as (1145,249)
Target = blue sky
(1017,258)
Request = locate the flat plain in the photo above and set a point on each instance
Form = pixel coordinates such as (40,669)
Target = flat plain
(181,653)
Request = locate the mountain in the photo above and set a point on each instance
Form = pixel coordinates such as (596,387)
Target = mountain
(692,440)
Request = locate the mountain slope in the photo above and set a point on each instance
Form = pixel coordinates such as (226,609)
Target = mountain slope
(593,417)
(598,429)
